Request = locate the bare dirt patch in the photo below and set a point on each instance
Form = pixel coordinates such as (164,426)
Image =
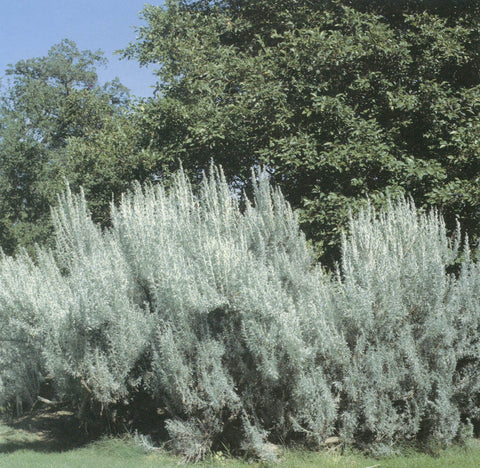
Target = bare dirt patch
(43,430)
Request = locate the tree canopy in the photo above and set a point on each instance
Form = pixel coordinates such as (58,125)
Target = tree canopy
(340,100)
(49,104)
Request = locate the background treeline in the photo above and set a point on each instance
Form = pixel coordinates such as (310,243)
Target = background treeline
(210,321)
(338,100)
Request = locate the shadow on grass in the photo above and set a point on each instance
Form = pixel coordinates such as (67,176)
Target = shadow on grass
(44,431)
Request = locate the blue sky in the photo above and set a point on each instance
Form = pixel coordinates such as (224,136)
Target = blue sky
(28,28)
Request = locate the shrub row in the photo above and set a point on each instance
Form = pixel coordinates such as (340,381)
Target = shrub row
(214,309)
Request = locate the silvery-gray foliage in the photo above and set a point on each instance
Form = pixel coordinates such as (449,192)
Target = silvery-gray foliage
(73,315)
(237,329)
(466,300)
(219,314)
(23,304)
(403,317)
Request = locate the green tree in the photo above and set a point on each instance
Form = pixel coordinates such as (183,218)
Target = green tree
(48,103)
(340,100)
(107,158)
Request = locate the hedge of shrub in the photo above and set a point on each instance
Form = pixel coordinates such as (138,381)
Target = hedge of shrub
(210,309)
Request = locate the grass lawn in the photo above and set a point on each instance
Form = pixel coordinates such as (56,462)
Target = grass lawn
(46,440)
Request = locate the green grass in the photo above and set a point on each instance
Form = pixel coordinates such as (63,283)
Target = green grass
(32,447)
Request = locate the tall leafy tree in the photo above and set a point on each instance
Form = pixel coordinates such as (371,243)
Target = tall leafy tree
(48,102)
(340,99)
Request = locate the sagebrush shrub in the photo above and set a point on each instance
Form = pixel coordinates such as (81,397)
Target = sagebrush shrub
(216,312)
(102,330)
(395,310)
(230,293)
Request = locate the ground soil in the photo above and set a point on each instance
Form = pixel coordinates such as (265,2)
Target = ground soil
(45,430)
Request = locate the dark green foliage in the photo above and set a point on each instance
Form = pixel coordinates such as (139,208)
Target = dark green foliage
(340,100)
(48,105)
